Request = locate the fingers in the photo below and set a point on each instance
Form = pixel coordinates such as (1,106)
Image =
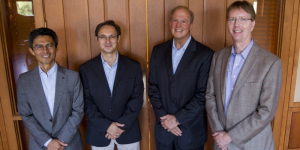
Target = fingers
(215,134)
(62,143)
(164,117)
(120,125)
(176,131)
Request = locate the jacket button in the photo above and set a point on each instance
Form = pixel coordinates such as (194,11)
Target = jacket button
(109,109)
(50,120)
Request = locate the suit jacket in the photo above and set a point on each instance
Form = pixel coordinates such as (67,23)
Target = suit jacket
(67,111)
(181,94)
(253,101)
(123,106)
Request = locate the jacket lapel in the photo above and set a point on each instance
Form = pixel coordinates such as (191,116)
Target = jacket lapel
(247,68)
(99,70)
(61,79)
(38,87)
(187,56)
(168,61)
(224,67)
(120,71)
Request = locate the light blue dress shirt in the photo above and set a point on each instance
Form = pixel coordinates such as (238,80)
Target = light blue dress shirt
(178,53)
(49,84)
(235,66)
(110,72)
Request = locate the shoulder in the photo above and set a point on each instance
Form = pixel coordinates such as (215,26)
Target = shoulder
(27,74)
(202,48)
(162,46)
(90,63)
(266,55)
(131,62)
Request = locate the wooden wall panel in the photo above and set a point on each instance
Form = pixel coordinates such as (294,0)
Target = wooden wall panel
(294,136)
(96,16)
(197,7)
(138,32)
(55,21)
(77,32)
(169,5)
(214,24)
(119,12)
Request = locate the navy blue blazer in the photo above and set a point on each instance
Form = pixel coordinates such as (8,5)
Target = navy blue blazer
(181,94)
(123,106)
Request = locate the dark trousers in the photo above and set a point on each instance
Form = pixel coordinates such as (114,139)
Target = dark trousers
(174,146)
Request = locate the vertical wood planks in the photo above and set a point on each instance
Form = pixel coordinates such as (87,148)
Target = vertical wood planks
(77,32)
(55,21)
(96,16)
(197,7)
(214,24)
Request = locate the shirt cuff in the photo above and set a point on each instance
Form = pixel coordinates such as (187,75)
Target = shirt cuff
(46,144)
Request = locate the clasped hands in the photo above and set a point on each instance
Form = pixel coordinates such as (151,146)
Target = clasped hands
(56,144)
(222,139)
(170,124)
(113,132)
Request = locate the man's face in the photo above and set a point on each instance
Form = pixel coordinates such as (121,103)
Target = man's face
(180,24)
(107,39)
(44,50)
(240,32)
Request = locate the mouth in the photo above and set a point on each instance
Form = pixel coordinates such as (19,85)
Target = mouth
(46,56)
(237,31)
(177,30)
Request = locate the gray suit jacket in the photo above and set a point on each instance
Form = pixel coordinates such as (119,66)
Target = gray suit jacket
(253,101)
(67,112)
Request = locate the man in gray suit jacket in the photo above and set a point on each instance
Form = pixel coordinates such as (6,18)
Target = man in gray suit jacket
(243,87)
(50,97)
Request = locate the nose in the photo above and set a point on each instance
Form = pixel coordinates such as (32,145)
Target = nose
(107,40)
(178,24)
(236,22)
(45,49)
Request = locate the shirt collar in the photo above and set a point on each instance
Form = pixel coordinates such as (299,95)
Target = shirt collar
(115,63)
(51,71)
(185,44)
(245,52)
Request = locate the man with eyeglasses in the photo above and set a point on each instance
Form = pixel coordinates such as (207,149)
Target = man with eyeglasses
(113,94)
(50,97)
(243,87)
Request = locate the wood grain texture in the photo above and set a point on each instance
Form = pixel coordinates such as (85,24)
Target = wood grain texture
(38,13)
(119,12)
(294,136)
(55,21)
(3,135)
(96,16)
(144,127)
(77,32)
(138,32)
(197,6)
(214,24)
(169,5)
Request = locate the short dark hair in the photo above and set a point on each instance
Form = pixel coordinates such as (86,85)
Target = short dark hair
(244,5)
(42,32)
(183,7)
(110,23)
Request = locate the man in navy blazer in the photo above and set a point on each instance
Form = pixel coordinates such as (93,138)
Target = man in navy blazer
(177,83)
(113,94)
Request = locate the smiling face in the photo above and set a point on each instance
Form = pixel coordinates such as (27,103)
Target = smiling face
(109,44)
(45,56)
(240,32)
(180,24)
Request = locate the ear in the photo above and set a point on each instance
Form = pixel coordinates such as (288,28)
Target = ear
(31,51)
(191,26)
(119,38)
(170,24)
(252,25)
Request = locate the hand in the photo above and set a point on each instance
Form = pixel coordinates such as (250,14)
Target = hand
(222,139)
(110,137)
(56,144)
(114,131)
(176,131)
(169,122)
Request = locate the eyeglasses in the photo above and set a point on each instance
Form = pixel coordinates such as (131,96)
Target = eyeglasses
(104,37)
(41,47)
(240,20)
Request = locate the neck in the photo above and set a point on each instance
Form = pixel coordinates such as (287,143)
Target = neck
(110,58)
(46,67)
(241,46)
(180,42)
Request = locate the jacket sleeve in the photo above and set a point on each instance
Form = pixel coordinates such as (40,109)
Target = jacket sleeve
(154,94)
(70,128)
(91,110)
(35,129)
(134,105)
(211,104)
